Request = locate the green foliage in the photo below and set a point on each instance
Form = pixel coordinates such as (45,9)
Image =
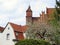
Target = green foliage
(32,42)
(55,24)
(57,3)
(57,39)
(57,15)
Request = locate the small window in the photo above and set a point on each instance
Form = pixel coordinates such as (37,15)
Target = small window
(8,28)
(8,36)
(17,33)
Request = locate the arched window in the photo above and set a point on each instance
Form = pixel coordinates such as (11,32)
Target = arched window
(8,35)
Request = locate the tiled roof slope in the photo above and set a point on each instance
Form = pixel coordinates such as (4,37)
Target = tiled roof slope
(18,28)
(1,29)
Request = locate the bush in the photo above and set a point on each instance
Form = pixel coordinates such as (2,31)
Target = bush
(32,42)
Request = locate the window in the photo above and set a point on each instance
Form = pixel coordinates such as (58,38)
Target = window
(8,36)
(8,28)
(17,33)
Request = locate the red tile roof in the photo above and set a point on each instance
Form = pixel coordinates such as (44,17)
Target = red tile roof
(24,28)
(1,29)
(20,36)
(18,29)
(50,10)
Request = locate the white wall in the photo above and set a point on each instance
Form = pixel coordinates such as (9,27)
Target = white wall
(24,34)
(3,36)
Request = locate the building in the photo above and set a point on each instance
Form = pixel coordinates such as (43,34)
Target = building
(42,19)
(13,32)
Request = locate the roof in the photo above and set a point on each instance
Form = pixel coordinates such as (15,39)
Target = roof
(24,28)
(29,9)
(18,28)
(35,18)
(1,29)
(20,36)
(50,10)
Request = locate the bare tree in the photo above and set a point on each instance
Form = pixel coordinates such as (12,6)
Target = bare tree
(37,31)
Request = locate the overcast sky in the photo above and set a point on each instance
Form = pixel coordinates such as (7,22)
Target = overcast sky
(14,10)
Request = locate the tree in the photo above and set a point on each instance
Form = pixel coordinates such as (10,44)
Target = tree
(32,42)
(57,14)
(55,24)
(38,31)
(55,38)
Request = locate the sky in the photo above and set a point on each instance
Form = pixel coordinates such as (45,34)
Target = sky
(15,10)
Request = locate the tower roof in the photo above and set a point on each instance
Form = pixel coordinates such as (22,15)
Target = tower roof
(29,9)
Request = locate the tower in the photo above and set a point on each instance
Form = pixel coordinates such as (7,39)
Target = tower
(28,16)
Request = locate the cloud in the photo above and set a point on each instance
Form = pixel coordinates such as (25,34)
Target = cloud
(8,5)
(19,20)
(40,5)
(15,10)
(3,19)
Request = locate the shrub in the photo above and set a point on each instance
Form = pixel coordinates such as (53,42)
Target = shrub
(32,42)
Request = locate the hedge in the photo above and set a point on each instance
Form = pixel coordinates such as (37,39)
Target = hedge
(32,42)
